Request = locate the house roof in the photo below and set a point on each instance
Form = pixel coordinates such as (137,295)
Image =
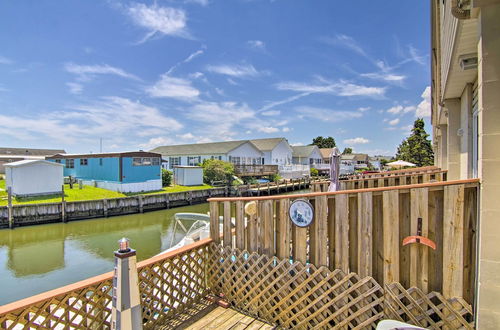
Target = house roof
(356,157)
(267,144)
(201,148)
(106,155)
(303,151)
(30,152)
(29,162)
(326,152)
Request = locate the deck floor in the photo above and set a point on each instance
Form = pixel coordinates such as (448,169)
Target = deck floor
(211,316)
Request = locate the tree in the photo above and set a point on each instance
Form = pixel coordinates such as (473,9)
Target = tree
(166,177)
(347,151)
(322,142)
(417,148)
(217,170)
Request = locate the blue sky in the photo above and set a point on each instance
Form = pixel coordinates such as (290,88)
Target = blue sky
(143,74)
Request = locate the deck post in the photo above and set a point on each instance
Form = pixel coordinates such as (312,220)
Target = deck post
(214,222)
(127,312)
(105,207)
(63,206)
(10,210)
(141,204)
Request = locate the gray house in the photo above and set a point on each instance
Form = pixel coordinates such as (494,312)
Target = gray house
(9,155)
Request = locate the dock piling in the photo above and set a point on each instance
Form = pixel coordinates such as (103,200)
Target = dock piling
(10,209)
(63,205)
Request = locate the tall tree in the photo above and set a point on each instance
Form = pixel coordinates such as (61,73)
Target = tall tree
(322,142)
(417,148)
(347,151)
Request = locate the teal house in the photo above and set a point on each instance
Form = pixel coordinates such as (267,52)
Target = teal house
(133,171)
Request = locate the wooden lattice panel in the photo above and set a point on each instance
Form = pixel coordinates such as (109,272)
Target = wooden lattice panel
(85,308)
(172,285)
(293,295)
(431,311)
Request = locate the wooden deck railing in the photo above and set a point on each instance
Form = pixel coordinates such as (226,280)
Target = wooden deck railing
(400,179)
(395,172)
(168,284)
(362,231)
(255,170)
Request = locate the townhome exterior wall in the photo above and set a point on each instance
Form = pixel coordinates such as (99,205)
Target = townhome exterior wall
(109,170)
(280,155)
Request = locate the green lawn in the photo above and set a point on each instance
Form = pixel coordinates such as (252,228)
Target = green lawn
(87,193)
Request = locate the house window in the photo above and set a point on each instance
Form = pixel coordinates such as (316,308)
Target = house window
(235,160)
(146,161)
(70,163)
(156,161)
(84,161)
(58,161)
(137,161)
(174,161)
(193,161)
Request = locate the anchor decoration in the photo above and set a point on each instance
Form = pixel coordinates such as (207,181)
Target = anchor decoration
(419,238)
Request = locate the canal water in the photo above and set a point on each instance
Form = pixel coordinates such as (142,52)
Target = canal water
(38,258)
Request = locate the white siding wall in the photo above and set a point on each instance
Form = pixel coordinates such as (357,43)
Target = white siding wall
(35,179)
(246,150)
(188,176)
(316,154)
(281,154)
(149,185)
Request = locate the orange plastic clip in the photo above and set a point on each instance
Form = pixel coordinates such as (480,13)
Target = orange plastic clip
(419,238)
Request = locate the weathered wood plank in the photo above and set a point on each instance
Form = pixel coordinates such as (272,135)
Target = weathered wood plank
(319,232)
(214,221)
(283,229)
(240,225)
(390,201)
(331,233)
(227,233)
(470,230)
(453,240)
(353,233)
(419,254)
(404,231)
(299,243)
(267,227)
(365,218)
(342,232)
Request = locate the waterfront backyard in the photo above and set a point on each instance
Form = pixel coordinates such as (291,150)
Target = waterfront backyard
(89,193)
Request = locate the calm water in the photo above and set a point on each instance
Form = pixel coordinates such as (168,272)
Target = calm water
(39,258)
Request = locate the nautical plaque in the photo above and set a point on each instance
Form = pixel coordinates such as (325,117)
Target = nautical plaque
(301,212)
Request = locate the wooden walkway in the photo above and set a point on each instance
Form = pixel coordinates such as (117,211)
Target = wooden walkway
(207,315)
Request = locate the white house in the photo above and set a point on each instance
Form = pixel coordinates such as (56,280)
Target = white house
(307,155)
(34,177)
(237,152)
(276,151)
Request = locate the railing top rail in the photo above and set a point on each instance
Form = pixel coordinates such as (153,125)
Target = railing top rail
(377,176)
(413,169)
(352,191)
(45,296)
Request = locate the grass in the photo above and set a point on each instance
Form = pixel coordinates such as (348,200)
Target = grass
(87,193)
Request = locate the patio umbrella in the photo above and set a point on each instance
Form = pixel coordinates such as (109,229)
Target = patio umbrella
(401,163)
(334,169)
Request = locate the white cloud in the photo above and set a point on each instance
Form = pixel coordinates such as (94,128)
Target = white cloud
(271,113)
(363,109)
(159,20)
(389,77)
(424,107)
(345,41)
(203,3)
(327,115)
(74,88)
(235,70)
(87,72)
(297,144)
(175,88)
(85,123)
(280,102)
(415,57)
(394,122)
(156,142)
(5,60)
(341,88)
(357,140)
(285,129)
(268,129)
(399,109)
(256,44)
(186,60)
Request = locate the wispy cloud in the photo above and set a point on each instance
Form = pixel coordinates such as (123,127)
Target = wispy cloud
(416,57)
(346,42)
(342,88)
(5,60)
(256,45)
(399,109)
(175,88)
(356,140)
(424,107)
(271,113)
(186,60)
(158,20)
(75,88)
(394,121)
(389,77)
(88,72)
(235,70)
(284,101)
(203,3)
(327,115)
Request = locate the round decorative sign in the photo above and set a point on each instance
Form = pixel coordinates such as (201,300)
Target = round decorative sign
(301,213)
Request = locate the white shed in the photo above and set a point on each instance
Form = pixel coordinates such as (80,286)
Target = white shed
(34,177)
(188,175)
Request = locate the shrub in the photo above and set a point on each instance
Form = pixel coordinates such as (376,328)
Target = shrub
(275,177)
(314,172)
(166,177)
(217,170)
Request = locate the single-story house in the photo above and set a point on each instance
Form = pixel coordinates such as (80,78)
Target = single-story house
(307,155)
(132,171)
(9,155)
(32,177)
(240,153)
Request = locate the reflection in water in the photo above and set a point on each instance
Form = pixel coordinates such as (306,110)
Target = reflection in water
(39,258)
